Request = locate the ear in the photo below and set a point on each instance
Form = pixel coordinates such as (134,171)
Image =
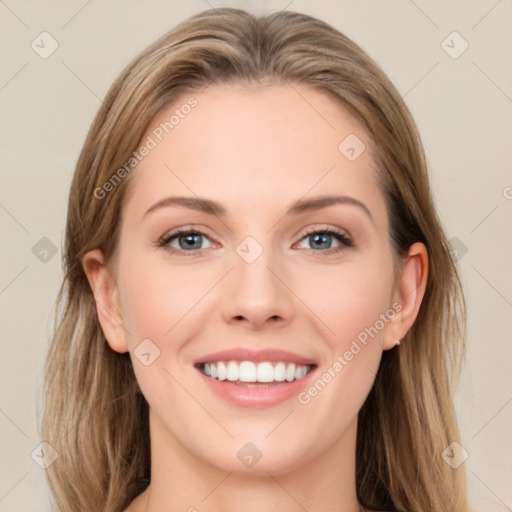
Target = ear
(408,293)
(106,296)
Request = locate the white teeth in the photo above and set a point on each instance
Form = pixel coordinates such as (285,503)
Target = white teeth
(221,371)
(290,372)
(232,371)
(265,372)
(247,371)
(300,372)
(280,372)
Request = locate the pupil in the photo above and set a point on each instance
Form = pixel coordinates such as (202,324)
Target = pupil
(190,241)
(318,238)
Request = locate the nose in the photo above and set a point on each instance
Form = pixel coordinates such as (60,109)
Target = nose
(258,295)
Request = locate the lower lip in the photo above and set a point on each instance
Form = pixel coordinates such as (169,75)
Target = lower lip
(256,396)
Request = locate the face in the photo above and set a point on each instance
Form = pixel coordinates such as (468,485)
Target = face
(254,247)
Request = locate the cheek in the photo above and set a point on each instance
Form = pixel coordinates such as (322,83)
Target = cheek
(156,303)
(352,301)
(165,304)
(347,299)
(156,297)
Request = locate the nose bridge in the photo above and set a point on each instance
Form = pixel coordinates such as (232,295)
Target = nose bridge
(256,293)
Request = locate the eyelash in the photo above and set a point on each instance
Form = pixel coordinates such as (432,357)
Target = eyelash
(166,239)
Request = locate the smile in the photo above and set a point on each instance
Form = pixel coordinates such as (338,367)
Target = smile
(264,372)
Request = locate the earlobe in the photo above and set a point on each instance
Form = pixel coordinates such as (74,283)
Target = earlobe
(409,292)
(104,289)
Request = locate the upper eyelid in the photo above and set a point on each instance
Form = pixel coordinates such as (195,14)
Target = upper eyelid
(338,231)
(185,230)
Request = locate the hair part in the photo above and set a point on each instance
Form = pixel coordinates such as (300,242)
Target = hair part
(95,414)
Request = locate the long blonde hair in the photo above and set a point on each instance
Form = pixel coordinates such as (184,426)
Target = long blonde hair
(95,416)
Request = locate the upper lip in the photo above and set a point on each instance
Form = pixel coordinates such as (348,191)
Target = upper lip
(246,354)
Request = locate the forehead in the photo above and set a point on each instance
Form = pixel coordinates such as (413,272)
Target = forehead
(248,145)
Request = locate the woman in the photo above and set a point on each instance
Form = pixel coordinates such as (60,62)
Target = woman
(260,308)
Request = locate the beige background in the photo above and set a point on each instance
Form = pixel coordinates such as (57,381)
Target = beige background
(463,107)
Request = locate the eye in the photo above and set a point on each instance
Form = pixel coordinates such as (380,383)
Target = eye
(322,240)
(189,242)
(185,241)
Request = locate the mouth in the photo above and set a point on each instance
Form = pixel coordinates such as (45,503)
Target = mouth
(255,379)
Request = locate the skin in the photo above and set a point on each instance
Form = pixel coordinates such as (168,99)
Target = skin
(255,151)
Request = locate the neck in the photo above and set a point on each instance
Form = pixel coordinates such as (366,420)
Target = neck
(182,482)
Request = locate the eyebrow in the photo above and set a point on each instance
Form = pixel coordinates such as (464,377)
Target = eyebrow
(302,205)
